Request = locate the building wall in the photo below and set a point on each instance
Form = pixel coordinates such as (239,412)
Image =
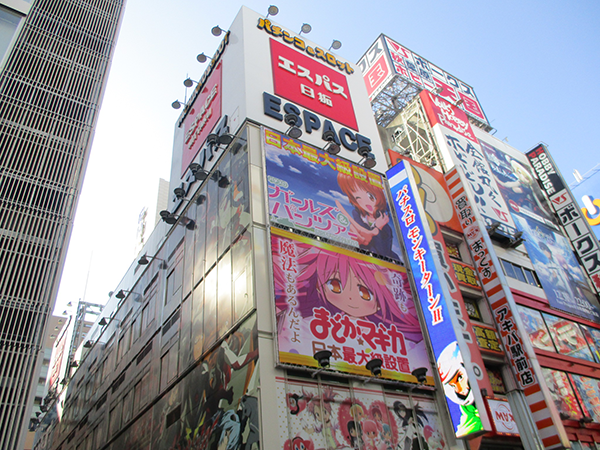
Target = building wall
(51,86)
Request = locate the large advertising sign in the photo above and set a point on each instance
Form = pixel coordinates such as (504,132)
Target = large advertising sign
(307,82)
(358,307)
(202,117)
(576,227)
(516,345)
(449,348)
(319,416)
(455,137)
(417,71)
(559,272)
(314,192)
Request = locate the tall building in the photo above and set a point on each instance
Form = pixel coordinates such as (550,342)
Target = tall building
(55,62)
(342,266)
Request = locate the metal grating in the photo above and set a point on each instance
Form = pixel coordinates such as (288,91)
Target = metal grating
(50,90)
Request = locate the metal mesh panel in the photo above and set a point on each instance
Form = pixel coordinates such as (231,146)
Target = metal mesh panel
(49,95)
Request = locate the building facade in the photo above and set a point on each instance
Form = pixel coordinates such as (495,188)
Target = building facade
(55,58)
(325,277)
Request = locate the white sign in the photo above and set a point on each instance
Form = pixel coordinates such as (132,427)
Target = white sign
(503,417)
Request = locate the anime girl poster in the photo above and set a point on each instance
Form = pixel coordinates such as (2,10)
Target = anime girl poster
(327,196)
(356,306)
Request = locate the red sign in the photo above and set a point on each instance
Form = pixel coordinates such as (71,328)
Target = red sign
(306,82)
(445,113)
(376,75)
(203,116)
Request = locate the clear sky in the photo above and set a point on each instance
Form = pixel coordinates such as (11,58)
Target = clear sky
(533,64)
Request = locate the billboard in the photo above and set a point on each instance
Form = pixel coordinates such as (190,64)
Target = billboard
(512,333)
(308,83)
(314,192)
(449,347)
(386,53)
(356,306)
(558,271)
(320,416)
(576,227)
(455,138)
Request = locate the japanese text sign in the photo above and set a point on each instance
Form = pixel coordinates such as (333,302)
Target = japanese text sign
(307,82)
(576,227)
(466,153)
(353,305)
(437,313)
(516,348)
(202,117)
(327,196)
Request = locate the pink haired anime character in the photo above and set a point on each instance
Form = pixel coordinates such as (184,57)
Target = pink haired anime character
(345,284)
(322,412)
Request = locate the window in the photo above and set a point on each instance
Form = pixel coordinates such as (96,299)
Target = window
(127,404)
(136,329)
(169,366)
(472,308)
(520,273)
(148,313)
(9,22)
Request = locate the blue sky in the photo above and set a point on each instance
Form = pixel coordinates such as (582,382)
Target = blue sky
(534,66)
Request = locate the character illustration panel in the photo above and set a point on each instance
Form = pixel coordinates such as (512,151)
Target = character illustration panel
(562,393)
(518,186)
(359,308)
(347,206)
(417,422)
(588,393)
(220,403)
(536,328)
(558,270)
(568,337)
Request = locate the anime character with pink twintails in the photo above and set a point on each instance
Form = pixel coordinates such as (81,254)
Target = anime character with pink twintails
(369,221)
(345,284)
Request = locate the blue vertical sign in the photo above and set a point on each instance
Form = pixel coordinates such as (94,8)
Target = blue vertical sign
(453,373)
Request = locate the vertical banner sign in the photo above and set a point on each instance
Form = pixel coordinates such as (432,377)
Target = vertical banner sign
(576,227)
(375,69)
(438,209)
(202,118)
(455,136)
(516,343)
(465,404)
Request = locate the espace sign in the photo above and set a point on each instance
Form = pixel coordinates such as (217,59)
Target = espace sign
(324,93)
(308,83)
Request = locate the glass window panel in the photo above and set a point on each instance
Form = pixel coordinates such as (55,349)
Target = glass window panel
(529,275)
(226,210)
(189,249)
(242,276)
(562,394)
(536,328)
(212,217)
(198,320)
(210,308)
(127,407)
(496,380)
(200,238)
(592,336)
(508,269)
(472,309)
(9,22)
(241,186)
(174,283)
(588,392)
(568,338)
(519,275)
(453,250)
(224,309)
